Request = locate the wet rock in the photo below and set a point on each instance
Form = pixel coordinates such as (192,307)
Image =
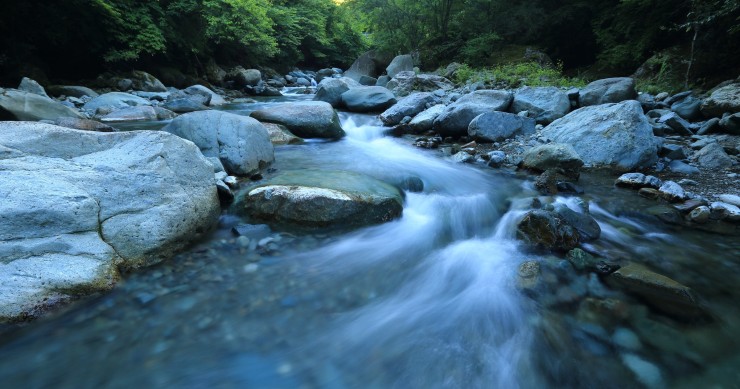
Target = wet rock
(663,293)
(314,119)
(730,199)
(529,274)
(368,81)
(279,135)
(713,156)
(588,229)
(321,199)
(225,195)
(581,260)
(688,205)
(544,104)
(552,156)
(547,182)
(60,212)
(115,100)
(724,211)
(456,118)
(724,99)
(547,230)
(498,126)
(254,232)
(463,157)
(72,91)
(638,180)
(626,339)
(425,120)
(672,192)
(700,214)
(330,90)
(241,143)
(29,106)
(611,135)
(496,158)
(610,90)
(649,193)
(410,105)
(83,124)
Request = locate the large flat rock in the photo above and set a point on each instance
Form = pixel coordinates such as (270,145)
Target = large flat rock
(79,205)
(310,119)
(616,136)
(321,199)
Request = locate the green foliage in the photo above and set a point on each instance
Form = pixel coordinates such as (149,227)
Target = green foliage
(511,76)
(478,49)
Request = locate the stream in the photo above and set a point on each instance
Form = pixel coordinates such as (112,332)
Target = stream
(431,300)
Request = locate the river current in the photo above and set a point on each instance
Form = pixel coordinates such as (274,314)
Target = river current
(431,300)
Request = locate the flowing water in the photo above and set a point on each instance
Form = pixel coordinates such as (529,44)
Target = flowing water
(430,300)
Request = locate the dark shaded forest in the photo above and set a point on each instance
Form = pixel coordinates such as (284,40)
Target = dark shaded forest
(670,41)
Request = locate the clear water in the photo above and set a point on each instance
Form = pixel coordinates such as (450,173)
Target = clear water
(431,300)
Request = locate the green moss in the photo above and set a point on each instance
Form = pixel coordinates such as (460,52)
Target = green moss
(514,75)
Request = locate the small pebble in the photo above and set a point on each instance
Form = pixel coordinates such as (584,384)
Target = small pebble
(251,268)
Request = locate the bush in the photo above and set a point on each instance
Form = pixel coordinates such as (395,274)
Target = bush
(509,76)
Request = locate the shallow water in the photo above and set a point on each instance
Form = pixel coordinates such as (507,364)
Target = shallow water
(430,300)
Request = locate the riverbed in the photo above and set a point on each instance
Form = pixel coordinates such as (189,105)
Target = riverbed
(433,299)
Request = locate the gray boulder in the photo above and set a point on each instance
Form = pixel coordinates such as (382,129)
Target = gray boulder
(551,156)
(688,108)
(404,83)
(609,90)
(141,112)
(321,199)
(676,123)
(184,105)
(424,121)
(410,105)
(144,81)
(31,86)
(713,156)
(115,100)
(79,206)
(368,99)
(241,143)
(610,135)
(330,90)
(497,126)
(368,81)
(243,77)
(458,115)
(730,124)
(401,63)
(72,91)
(370,64)
(543,104)
(310,119)
(724,99)
(279,135)
(30,106)
(215,99)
